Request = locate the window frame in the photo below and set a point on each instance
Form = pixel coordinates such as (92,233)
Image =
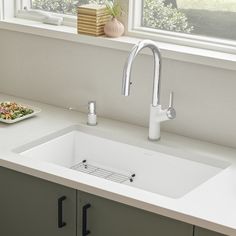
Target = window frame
(1,10)
(20,12)
(132,21)
(136,29)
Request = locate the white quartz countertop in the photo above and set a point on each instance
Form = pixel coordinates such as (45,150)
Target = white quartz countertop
(211,205)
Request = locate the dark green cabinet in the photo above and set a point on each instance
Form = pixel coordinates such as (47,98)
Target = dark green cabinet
(204,232)
(30,206)
(108,218)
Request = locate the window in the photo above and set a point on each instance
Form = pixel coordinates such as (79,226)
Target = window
(213,18)
(206,24)
(186,21)
(67,7)
(31,9)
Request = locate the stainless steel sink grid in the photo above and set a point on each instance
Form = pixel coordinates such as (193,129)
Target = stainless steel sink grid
(102,173)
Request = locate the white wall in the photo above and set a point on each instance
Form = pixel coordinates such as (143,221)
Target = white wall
(69,74)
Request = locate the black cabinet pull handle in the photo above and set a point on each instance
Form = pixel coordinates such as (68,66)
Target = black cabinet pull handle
(61,224)
(85,232)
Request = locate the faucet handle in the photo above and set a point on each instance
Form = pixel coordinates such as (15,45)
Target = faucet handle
(171,113)
(171,100)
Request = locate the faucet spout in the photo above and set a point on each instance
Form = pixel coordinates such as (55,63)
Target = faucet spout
(126,82)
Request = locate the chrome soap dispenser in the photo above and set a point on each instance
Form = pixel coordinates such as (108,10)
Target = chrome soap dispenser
(92,116)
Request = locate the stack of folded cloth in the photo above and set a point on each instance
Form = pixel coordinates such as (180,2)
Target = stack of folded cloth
(92,19)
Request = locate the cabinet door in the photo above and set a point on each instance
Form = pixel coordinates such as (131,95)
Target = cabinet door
(29,206)
(109,218)
(204,232)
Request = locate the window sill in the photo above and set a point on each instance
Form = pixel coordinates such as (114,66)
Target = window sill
(125,43)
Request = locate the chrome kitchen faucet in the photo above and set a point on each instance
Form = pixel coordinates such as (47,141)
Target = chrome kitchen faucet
(157,114)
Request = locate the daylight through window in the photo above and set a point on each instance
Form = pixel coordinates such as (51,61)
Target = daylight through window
(211,18)
(68,7)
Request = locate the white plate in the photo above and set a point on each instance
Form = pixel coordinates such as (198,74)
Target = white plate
(35,109)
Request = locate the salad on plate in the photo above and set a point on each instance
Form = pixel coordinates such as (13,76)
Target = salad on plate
(13,111)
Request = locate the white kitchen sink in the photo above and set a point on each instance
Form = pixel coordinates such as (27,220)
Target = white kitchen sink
(152,171)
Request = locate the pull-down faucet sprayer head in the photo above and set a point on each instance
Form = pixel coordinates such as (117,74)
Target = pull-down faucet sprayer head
(126,81)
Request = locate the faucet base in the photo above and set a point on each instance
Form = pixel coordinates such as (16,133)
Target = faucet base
(154,123)
(157,115)
(154,140)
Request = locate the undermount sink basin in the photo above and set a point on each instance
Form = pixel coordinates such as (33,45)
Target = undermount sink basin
(152,171)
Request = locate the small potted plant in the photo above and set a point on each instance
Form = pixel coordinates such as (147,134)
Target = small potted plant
(114,28)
